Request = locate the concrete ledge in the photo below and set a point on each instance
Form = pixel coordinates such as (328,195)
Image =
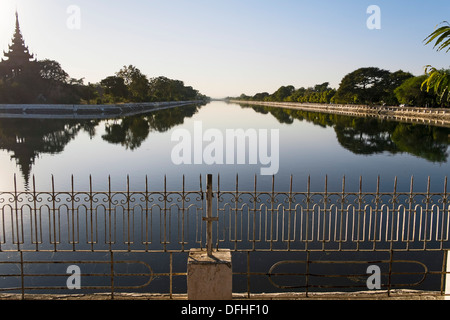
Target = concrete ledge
(367,295)
(209,277)
(437,117)
(62,111)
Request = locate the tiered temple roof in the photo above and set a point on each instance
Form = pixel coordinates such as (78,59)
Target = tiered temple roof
(18,54)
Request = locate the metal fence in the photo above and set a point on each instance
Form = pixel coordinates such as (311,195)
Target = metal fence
(138,241)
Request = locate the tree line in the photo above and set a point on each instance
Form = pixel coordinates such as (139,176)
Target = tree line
(47,82)
(369,86)
(130,85)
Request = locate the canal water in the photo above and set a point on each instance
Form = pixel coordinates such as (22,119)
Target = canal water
(310,144)
(144,150)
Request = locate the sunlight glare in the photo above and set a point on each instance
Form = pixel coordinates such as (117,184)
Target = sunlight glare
(7,18)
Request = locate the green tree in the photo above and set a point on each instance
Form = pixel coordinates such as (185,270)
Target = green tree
(322,87)
(396,79)
(137,83)
(410,93)
(165,89)
(190,93)
(115,87)
(282,93)
(161,89)
(297,95)
(370,86)
(364,86)
(260,96)
(52,71)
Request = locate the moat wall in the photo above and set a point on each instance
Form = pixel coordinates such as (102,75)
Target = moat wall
(61,111)
(438,117)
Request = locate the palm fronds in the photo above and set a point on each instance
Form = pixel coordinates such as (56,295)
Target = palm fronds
(438,81)
(441,36)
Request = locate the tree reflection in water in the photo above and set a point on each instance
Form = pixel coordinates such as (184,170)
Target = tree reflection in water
(368,136)
(27,139)
(131,132)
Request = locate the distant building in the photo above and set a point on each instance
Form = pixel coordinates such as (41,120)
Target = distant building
(18,56)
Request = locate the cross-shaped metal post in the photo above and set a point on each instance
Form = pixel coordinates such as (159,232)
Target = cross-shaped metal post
(209,217)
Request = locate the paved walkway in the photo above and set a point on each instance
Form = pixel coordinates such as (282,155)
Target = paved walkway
(372,295)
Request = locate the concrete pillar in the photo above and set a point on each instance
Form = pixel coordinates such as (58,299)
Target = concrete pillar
(209,277)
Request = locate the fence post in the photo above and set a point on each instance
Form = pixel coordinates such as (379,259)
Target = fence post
(446,274)
(209,273)
(209,216)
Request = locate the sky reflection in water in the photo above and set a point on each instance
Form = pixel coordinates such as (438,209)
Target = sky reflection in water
(316,145)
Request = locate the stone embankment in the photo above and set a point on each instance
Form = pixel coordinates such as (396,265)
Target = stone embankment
(363,295)
(62,111)
(437,117)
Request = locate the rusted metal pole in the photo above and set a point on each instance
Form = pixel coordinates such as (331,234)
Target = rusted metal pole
(209,216)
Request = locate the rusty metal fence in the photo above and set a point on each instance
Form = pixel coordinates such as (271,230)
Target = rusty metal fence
(282,242)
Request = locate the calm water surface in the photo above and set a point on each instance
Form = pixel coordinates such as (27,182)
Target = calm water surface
(314,145)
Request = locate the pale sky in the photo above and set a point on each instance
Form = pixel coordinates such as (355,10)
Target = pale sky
(228,47)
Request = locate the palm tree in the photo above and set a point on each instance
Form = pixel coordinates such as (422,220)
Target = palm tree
(439,79)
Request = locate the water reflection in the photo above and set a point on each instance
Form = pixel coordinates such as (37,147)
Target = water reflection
(27,139)
(369,136)
(131,132)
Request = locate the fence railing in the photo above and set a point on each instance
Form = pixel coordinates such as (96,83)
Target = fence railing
(293,226)
(246,220)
